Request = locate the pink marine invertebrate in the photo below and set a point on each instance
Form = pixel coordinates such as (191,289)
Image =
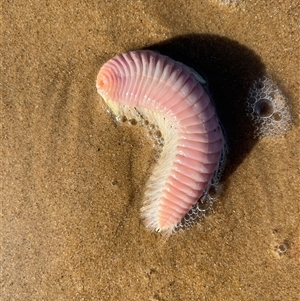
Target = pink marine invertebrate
(145,85)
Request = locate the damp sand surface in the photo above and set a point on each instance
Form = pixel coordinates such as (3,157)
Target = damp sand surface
(72,179)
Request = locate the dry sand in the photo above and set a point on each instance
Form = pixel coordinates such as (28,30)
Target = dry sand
(72,179)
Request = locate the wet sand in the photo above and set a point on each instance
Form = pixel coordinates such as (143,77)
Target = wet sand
(72,179)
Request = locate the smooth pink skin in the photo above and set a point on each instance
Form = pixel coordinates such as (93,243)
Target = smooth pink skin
(145,79)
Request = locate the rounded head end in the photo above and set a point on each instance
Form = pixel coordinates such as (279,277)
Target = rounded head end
(103,82)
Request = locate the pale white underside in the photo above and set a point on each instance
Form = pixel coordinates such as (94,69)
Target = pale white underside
(163,168)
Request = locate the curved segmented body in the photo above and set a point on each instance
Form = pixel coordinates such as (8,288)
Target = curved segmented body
(148,85)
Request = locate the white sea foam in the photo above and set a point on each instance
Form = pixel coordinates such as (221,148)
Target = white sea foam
(268,109)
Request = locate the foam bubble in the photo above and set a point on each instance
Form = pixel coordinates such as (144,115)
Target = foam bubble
(133,121)
(197,213)
(120,118)
(282,248)
(268,109)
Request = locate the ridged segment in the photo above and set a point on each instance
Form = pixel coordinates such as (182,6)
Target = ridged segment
(167,94)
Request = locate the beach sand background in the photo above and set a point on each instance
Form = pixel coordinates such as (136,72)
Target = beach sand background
(73,179)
